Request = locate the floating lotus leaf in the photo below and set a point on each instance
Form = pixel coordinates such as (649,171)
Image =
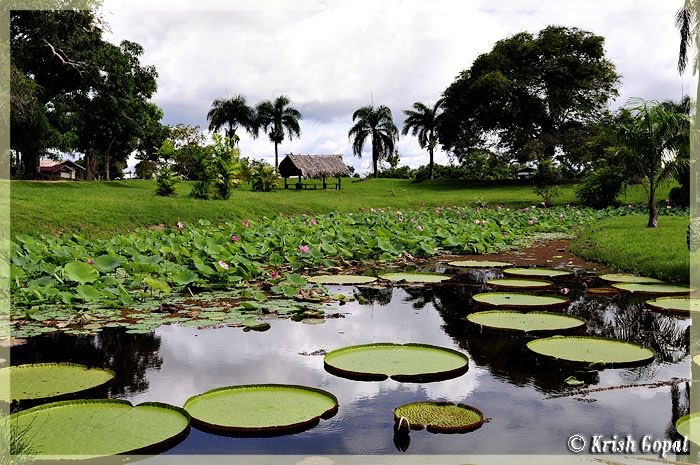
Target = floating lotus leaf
(261,408)
(540,272)
(515,300)
(440,417)
(342,279)
(478,264)
(47,380)
(507,320)
(675,304)
(628,278)
(416,277)
(588,349)
(532,284)
(401,362)
(689,426)
(653,289)
(94,428)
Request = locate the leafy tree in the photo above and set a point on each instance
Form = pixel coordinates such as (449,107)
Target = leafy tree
(526,92)
(231,113)
(226,165)
(276,117)
(652,142)
(423,121)
(263,177)
(166,181)
(377,124)
(688,24)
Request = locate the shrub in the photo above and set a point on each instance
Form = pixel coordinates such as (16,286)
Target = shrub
(227,166)
(402,172)
(600,188)
(263,177)
(166,180)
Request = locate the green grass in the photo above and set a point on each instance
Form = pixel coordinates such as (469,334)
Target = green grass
(104,208)
(626,244)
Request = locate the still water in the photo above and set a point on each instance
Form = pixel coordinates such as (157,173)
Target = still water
(515,390)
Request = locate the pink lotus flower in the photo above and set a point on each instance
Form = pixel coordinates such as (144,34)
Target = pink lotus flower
(526,209)
(304,249)
(246,224)
(533,207)
(413,220)
(561,216)
(477,222)
(419,228)
(180,225)
(234,238)
(373,210)
(91,261)
(543,204)
(629,205)
(274,275)
(530,222)
(314,222)
(223,264)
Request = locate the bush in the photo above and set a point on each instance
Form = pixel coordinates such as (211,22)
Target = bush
(600,188)
(402,172)
(166,180)
(263,177)
(680,195)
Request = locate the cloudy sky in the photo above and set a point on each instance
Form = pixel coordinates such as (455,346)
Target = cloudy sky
(333,56)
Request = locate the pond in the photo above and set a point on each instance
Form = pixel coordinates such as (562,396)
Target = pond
(528,406)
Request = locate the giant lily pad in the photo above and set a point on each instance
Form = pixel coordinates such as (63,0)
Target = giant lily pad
(589,349)
(42,381)
(532,284)
(675,304)
(261,408)
(628,278)
(531,322)
(515,300)
(349,279)
(439,417)
(401,362)
(653,289)
(689,426)
(478,264)
(416,277)
(537,272)
(93,428)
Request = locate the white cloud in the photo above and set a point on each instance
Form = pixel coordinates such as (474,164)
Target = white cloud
(331,57)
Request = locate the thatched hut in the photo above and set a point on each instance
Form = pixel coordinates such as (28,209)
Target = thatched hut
(313,167)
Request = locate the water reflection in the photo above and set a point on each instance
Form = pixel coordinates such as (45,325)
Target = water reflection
(508,383)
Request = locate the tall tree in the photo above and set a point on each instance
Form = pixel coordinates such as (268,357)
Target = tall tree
(423,121)
(377,124)
(276,117)
(231,113)
(522,95)
(688,25)
(655,140)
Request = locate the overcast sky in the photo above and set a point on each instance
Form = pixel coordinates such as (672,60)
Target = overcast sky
(333,56)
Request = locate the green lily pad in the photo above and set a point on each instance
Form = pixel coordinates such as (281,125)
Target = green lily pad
(531,322)
(478,264)
(628,278)
(415,277)
(589,349)
(653,289)
(522,301)
(95,428)
(254,325)
(80,272)
(689,426)
(532,284)
(348,279)
(401,362)
(42,381)
(439,417)
(675,304)
(261,408)
(540,272)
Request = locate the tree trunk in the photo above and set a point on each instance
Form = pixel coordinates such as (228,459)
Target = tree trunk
(375,159)
(653,211)
(108,160)
(89,165)
(430,169)
(276,162)
(30,160)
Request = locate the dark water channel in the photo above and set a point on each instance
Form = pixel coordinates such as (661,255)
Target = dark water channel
(513,388)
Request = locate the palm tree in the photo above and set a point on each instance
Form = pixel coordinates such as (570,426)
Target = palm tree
(688,23)
(652,140)
(277,117)
(377,124)
(422,121)
(230,114)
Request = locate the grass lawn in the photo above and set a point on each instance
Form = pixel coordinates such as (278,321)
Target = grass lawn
(104,208)
(627,244)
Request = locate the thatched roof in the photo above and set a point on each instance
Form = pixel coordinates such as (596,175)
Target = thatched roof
(313,166)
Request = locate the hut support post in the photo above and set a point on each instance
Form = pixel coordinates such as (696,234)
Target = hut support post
(299,183)
(338,182)
(285,183)
(324,183)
